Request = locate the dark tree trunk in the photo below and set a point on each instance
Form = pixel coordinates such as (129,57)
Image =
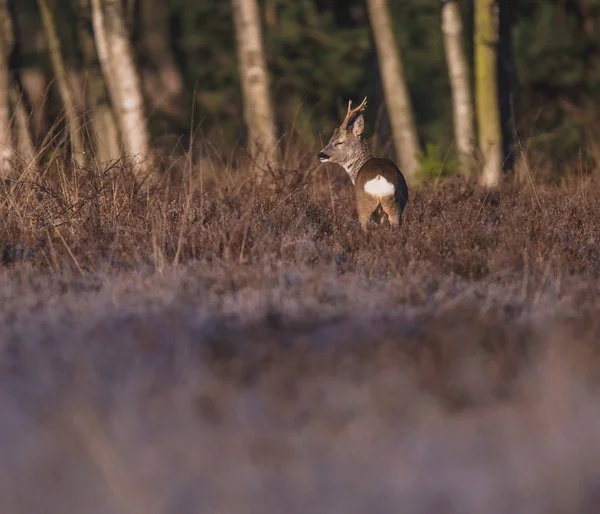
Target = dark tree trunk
(506,82)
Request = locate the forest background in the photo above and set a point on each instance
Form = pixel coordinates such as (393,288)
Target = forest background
(320,54)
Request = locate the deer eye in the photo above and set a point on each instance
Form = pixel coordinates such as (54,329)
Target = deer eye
(339,143)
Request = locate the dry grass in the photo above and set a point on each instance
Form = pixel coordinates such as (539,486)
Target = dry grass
(217,346)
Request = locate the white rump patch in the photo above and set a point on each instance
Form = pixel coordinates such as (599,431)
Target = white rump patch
(379,187)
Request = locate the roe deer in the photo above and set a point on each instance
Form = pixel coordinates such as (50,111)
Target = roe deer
(381,190)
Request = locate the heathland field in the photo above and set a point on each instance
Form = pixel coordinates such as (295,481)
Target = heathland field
(219,346)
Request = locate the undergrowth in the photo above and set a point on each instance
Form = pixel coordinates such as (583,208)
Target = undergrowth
(214,344)
(93,219)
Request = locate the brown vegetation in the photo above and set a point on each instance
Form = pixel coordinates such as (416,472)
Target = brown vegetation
(220,346)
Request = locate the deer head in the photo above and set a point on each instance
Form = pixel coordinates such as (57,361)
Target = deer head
(346,147)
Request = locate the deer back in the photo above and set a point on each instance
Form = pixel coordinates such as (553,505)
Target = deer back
(381,177)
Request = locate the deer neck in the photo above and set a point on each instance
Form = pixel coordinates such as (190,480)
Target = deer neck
(354,165)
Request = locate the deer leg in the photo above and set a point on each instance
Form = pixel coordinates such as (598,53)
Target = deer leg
(392,209)
(366,206)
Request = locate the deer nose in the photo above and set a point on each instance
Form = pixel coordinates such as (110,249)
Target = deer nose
(323,157)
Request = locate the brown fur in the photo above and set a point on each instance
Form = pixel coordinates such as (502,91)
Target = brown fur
(371,207)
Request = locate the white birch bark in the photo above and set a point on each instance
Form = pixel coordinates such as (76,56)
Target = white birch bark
(394,85)
(101,119)
(117,59)
(458,71)
(258,110)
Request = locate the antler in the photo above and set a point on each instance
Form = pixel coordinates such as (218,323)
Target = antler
(353,112)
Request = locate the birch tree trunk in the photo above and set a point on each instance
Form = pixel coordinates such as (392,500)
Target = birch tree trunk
(105,134)
(394,86)
(62,81)
(22,132)
(19,127)
(116,57)
(35,86)
(488,110)
(6,140)
(458,71)
(258,110)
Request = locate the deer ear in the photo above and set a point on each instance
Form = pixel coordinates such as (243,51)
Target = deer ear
(358,126)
